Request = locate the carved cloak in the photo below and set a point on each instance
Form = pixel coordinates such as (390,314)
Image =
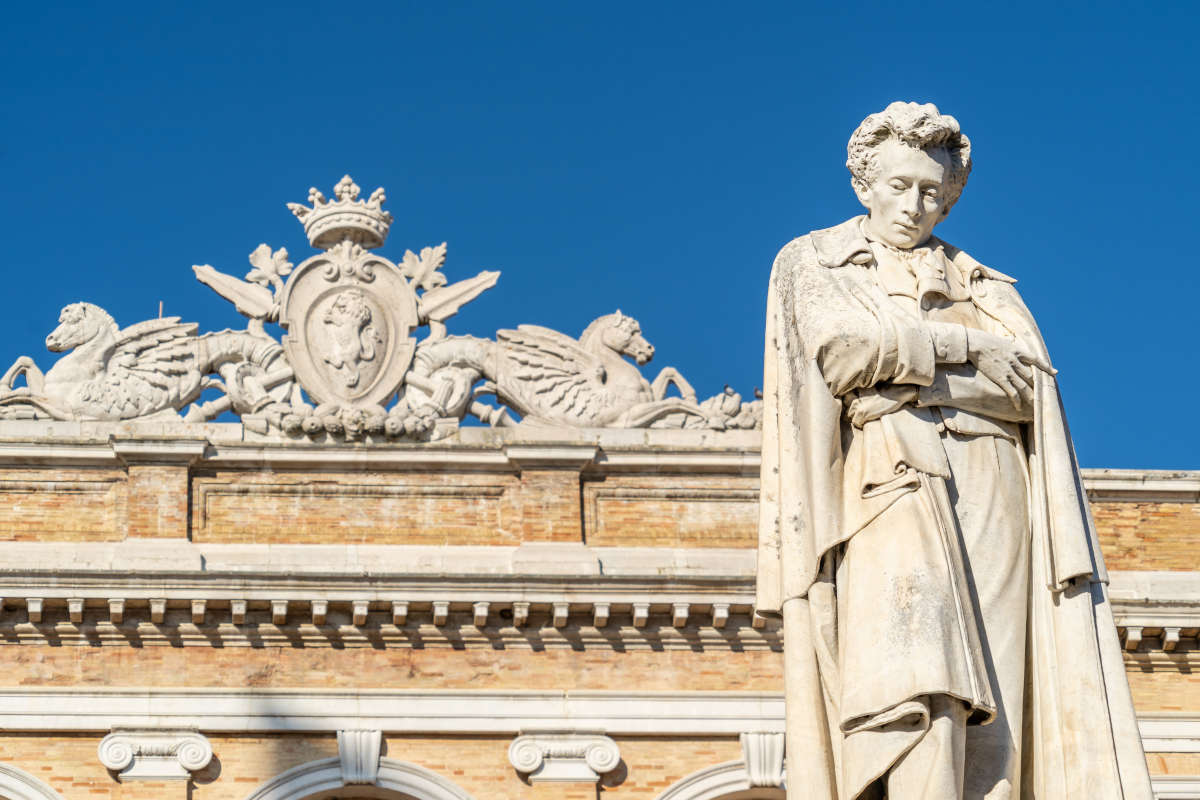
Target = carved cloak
(1080,731)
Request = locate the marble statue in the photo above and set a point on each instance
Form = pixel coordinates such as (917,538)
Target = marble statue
(924,531)
(348,367)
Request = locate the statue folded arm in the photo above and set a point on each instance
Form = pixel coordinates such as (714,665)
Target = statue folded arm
(962,386)
(857,340)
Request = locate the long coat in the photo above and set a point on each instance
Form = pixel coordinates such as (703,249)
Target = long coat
(823,314)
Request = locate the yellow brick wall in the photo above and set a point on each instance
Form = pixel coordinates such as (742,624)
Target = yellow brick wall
(365,668)
(466,508)
(1165,687)
(1149,536)
(158,501)
(1173,763)
(355,508)
(415,507)
(478,765)
(671,511)
(84,505)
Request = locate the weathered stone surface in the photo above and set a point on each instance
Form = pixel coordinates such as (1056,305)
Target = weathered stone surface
(924,532)
(348,353)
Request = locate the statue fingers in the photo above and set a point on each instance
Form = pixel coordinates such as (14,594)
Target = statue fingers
(1027,397)
(1008,384)
(1019,390)
(1037,361)
(1022,371)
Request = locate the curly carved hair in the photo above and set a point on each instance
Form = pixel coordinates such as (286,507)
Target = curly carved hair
(916,125)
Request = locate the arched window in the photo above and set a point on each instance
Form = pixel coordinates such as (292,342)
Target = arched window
(727,781)
(17,784)
(324,780)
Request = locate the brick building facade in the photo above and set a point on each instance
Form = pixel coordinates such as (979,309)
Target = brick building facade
(463,619)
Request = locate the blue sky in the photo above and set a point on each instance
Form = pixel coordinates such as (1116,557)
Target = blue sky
(647,157)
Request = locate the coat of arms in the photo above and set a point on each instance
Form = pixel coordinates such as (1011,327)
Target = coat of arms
(348,365)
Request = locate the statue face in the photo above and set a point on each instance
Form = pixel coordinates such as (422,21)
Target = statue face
(907,196)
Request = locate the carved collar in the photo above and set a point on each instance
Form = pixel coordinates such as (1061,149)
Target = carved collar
(845,244)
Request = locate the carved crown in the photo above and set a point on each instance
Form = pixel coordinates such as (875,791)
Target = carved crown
(329,222)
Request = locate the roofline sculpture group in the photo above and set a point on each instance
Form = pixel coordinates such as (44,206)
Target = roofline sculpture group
(348,367)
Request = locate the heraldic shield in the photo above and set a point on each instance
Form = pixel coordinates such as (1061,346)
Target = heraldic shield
(349,316)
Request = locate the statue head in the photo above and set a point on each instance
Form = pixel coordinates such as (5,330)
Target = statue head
(908,166)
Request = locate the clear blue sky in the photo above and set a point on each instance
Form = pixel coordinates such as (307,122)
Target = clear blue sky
(647,157)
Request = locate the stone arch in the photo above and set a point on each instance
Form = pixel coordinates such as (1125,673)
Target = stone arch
(17,784)
(727,781)
(396,780)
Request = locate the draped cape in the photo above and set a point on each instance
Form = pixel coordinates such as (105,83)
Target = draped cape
(1081,734)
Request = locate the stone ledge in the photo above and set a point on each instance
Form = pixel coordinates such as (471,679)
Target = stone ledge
(1142,485)
(259,562)
(419,711)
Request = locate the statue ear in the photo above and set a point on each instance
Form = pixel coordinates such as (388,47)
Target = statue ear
(862,192)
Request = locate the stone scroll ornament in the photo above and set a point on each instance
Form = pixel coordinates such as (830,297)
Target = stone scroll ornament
(348,365)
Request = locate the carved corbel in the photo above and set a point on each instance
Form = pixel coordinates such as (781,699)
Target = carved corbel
(359,751)
(763,754)
(155,754)
(564,756)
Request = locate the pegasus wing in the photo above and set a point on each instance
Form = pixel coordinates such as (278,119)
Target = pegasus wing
(552,376)
(154,364)
(153,332)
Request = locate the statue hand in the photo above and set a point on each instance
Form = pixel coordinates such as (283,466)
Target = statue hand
(871,404)
(1006,363)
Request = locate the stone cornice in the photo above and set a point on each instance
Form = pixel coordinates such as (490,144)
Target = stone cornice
(179,450)
(708,606)
(1142,485)
(472,449)
(505,712)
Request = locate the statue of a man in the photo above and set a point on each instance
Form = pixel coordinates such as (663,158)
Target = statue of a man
(925,534)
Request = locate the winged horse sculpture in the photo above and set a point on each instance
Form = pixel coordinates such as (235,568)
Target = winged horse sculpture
(549,378)
(152,368)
